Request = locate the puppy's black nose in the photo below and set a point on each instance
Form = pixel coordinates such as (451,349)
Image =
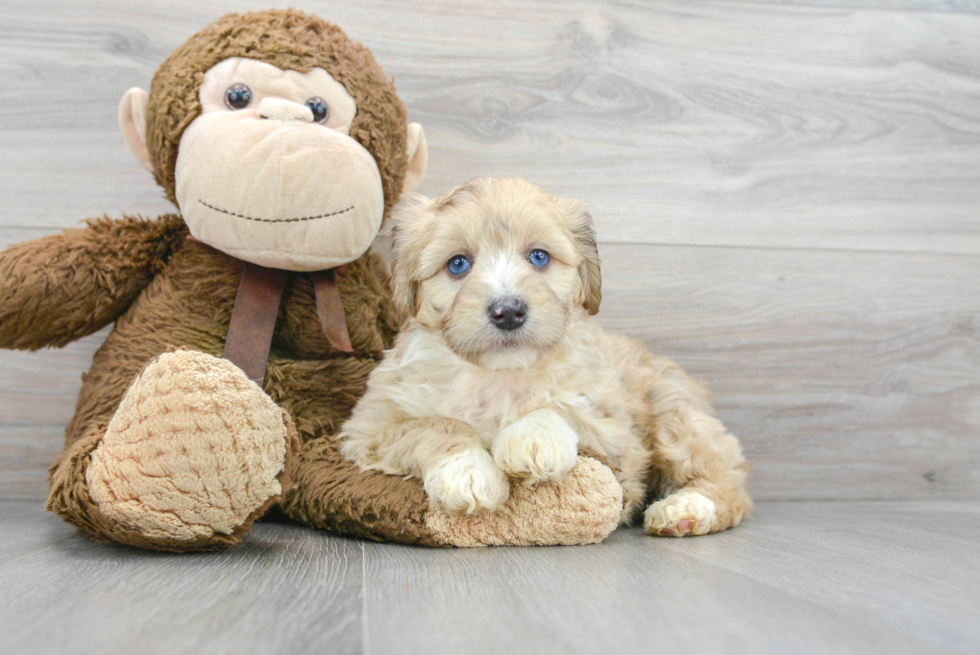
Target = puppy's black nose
(508,313)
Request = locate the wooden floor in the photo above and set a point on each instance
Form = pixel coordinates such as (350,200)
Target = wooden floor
(802,577)
(787,194)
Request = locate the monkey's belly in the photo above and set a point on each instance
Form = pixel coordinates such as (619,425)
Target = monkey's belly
(189,304)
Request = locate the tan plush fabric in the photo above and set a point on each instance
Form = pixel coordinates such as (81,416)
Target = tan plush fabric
(582,508)
(267,184)
(287,39)
(194,449)
(132,123)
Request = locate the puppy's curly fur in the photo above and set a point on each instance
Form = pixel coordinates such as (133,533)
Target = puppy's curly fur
(463,400)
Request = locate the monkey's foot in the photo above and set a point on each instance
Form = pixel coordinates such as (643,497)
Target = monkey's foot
(195,453)
(583,507)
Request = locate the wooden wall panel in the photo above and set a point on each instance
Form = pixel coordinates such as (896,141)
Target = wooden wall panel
(786,193)
(709,123)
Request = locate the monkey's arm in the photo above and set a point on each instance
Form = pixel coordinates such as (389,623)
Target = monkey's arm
(64,286)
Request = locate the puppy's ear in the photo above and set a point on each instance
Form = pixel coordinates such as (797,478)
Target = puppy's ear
(403,230)
(589,272)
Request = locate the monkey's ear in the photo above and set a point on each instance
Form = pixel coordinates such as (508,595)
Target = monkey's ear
(132,122)
(418,155)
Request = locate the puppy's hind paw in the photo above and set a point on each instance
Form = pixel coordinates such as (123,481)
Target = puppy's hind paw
(468,481)
(685,512)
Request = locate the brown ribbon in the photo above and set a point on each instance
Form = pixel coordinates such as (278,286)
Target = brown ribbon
(253,319)
(329,308)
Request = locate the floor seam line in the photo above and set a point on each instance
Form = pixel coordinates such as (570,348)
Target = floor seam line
(364,614)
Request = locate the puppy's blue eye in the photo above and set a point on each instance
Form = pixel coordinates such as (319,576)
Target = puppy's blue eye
(539,258)
(458,265)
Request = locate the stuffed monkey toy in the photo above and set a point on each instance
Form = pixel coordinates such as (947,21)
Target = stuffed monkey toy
(246,324)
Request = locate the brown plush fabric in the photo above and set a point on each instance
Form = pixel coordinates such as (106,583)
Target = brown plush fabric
(288,39)
(165,291)
(65,286)
(330,494)
(189,305)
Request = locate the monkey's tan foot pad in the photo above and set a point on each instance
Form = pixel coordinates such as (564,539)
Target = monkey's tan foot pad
(583,507)
(194,450)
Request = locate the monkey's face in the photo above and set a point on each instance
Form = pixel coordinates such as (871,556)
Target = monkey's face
(268,172)
(280,139)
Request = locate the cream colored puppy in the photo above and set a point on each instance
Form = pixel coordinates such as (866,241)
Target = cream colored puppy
(499,371)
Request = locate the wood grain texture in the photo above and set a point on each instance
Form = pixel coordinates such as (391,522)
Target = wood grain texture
(835,587)
(26,452)
(956,6)
(848,577)
(711,123)
(786,195)
(877,563)
(846,375)
(287,590)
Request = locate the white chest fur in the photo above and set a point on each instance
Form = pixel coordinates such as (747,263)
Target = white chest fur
(433,381)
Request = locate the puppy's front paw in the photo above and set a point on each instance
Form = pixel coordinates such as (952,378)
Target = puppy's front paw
(685,512)
(540,446)
(467,481)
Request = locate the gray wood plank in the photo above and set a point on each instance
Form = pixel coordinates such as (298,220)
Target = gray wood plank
(955,6)
(286,590)
(639,594)
(915,567)
(704,123)
(12,235)
(37,399)
(846,375)
(798,577)
(41,387)
(26,452)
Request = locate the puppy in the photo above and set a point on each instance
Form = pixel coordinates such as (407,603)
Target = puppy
(499,371)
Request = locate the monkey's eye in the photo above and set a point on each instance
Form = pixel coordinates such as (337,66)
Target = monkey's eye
(319,108)
(238,96)
(458,265)
(539,258)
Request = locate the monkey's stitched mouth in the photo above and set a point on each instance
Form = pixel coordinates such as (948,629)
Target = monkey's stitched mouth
(275,220)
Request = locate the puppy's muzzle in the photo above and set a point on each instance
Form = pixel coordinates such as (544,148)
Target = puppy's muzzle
(508,313)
